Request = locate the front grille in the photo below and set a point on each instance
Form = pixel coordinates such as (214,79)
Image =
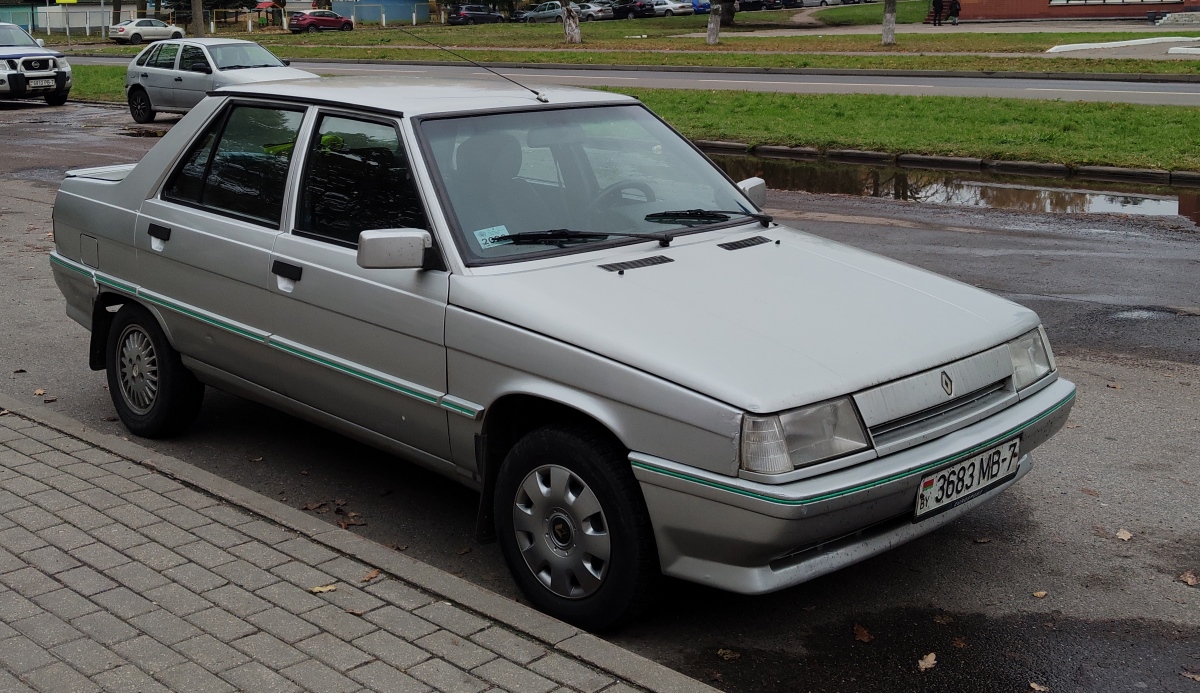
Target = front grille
(37,64)
(942,419)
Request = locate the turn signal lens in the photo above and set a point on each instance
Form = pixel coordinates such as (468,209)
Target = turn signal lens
(763,446)
(1031,358)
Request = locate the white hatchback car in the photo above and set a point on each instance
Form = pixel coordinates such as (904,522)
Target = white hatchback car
(134,31)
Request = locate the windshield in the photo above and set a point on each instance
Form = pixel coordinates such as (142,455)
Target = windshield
(237,56)
(597,170)
(15,36)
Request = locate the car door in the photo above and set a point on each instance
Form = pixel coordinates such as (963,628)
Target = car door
(192,86)
(158,75)
(329,20)
(204,241)
(367,345)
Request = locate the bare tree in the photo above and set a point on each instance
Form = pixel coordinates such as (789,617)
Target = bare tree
(726,13)
(198,18)
(889,22)
(571,24)
(714,28)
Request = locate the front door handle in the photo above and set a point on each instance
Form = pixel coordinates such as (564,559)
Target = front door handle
(178,79)
(145,75)
(287,270)
(162,233)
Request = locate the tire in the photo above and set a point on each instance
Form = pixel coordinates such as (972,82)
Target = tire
(312,29)
(470,21)
(558,19)
(176,35)
(668,13)
(347,27)
(154,394)
(631,15)
(140,106)
(561,491)
(586,18)
(57,99)
(135,39)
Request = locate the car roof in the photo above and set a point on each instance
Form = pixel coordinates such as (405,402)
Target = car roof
(414,96)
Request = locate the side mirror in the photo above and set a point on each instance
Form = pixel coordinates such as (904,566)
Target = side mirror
(41,43)
(393,248)
(286,62)
(755,189)
(201,67)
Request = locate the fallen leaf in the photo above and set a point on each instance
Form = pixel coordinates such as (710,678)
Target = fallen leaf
(1090,492)
(303,472)
(1038,687)
(1190,675)
(256,459)
(959,643)
(1073,426)
(943,619)
(347,524)
(464,551)
(1124,534)
(1190,578)
(728,655)
(400,547)
(339,502)
(322,589)
(927,662)
(19,370)
(352,514)
(1115,386)
(862,634)
(1040,594)
(314,506)
(39,392)
(371,575)
(110,418)
(715,677)
(48,399)
(983,540)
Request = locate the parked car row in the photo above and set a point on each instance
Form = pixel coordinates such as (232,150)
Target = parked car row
(594,10)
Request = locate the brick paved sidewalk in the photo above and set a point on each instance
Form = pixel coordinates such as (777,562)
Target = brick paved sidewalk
(115,576)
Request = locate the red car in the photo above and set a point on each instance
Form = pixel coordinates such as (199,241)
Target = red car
(318,20)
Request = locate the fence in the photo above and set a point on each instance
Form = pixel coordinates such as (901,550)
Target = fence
(58,19)
(394,11)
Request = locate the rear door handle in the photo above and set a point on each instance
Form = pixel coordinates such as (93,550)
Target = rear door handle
(162,233)
(287,270)
(178,79)
(145,75)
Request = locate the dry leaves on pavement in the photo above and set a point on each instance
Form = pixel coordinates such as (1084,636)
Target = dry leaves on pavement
(1190,675)
(40,391)
(927,662)
(1124,534)
(728,655)
(862,634)
(1190,578)
(1090,492)
(943,619)
(322,589)
(1041,594)
(1115,386)
(1038,687)
(960,643)
(371,575)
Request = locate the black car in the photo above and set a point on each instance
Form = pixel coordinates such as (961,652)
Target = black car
(628,9)
(473,14)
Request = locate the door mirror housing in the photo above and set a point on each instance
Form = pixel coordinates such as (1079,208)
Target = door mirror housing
(286,62)
(201,67)
(41,43)
(755,189)
(393,248)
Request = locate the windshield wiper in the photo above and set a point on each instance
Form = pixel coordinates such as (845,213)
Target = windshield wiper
(236,67)
(706,215)
(569,235)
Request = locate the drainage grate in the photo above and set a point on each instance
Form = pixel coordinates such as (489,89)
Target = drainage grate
(744,243)
(634,264)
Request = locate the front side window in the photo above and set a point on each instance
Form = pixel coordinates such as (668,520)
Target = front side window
(239,166)
(595,171)
(356,178)
(192,56)
(165,59)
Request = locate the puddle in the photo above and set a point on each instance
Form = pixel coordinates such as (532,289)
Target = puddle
(141,132)
(965,188)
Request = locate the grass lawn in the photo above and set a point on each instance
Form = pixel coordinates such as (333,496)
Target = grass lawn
(908,12)
(1013,129)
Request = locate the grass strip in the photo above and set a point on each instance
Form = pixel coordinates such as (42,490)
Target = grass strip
(1072,133)
(98,82)
(909,12)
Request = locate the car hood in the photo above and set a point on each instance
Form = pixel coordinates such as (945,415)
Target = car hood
(27,52)
(259,74)
(781,324)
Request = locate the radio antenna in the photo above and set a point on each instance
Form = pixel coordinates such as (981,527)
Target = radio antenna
(540,96)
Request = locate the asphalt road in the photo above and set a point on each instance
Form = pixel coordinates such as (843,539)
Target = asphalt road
(1117,296)
(1179,94)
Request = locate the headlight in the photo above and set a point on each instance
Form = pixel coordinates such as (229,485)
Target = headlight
(782,442)
(64,65)
(1031,358)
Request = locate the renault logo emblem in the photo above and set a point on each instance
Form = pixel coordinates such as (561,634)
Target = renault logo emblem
(947,383)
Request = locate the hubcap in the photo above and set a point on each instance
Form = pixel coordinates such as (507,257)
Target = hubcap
(140,106)
(561,532)
(137,369)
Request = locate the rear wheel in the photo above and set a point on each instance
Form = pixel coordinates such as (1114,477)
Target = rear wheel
(154,394)
(57,99)
(573,526)
(135,39)
(140,107)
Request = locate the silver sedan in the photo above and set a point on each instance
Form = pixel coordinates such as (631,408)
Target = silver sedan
(134,31)
(173,76)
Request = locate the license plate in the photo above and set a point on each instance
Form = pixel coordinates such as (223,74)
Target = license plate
(954,485)
(41,82)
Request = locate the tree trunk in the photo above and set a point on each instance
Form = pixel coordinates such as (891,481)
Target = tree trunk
(141,8)
(198,18)
(714,28)
(571,24)
(889,22)
(727,14)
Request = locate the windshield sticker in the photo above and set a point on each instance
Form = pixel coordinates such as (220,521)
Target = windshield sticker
(492,237)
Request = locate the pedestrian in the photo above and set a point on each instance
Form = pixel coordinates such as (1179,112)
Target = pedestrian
(937,12)
(954,9)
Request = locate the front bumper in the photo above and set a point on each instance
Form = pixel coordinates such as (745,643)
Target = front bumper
(17,85)
(754,538)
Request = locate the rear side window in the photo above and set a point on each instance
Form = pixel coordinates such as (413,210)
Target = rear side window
(239,167)
(356,178)
(166,57)
(148,55)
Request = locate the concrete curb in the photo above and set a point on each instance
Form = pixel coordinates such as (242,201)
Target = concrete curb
(812,71)
(958,163)
(559,636)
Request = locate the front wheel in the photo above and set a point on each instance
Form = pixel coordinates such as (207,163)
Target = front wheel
(57,99)
(135,39)
(347,26)
(668,13)
(176,35)
(155,395)
(573,527)
(140,107)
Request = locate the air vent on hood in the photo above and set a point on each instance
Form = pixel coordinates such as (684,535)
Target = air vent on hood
(744,243)
(634,264)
